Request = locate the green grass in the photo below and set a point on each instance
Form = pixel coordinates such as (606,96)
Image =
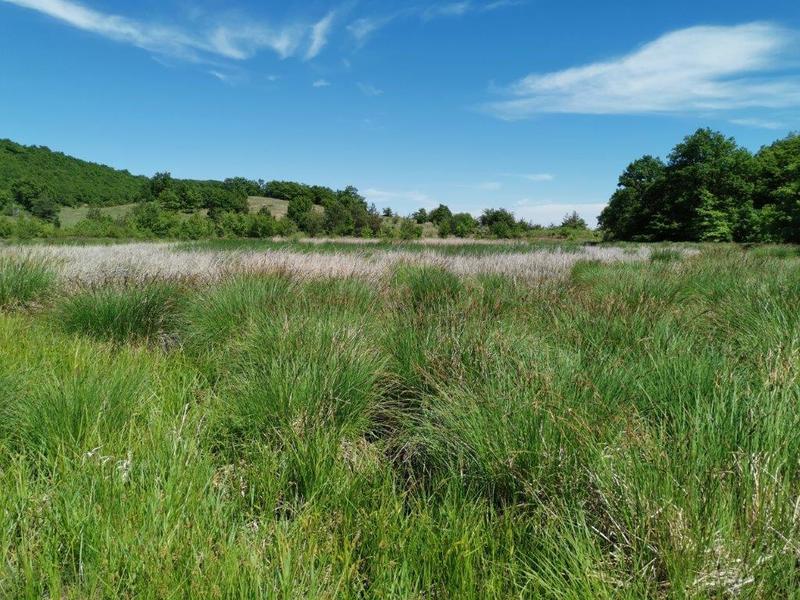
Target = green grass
(70,215)
(278,208)
(24,280)
(121,314)
(631,433)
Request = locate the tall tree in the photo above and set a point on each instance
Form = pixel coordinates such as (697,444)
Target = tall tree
(777,193)
(631,207)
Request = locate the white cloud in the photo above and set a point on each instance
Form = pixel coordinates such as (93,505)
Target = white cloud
(319,35)
(690,70)
(369,90)
(321,83)
(553,212)
(235,41)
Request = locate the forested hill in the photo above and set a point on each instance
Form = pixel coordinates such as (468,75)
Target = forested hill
(71,181)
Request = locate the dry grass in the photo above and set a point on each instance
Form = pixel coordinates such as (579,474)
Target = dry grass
(99,264)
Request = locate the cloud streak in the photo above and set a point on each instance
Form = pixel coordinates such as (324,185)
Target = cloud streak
(238,42)
(698,69)
(363,28)
(319,35)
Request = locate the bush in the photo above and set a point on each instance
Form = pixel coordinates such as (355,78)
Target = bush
(262,225)
(409,230)
(196,227)
(7,228)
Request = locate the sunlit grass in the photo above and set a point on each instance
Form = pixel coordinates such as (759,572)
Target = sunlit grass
(626,430)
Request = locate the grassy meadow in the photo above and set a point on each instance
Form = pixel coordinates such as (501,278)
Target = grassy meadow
(71,215)
(310,421)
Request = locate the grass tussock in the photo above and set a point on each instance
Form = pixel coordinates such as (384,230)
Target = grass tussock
(122,314)
(24,280)
(628,430)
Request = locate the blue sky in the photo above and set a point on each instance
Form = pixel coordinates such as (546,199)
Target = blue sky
(532,105)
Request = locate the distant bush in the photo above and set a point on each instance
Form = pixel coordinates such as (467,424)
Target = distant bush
(409,230)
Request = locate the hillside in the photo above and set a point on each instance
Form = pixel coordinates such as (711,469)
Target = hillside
(70,215)
(72,181)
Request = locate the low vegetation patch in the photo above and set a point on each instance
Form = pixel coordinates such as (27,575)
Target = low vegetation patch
(628,429)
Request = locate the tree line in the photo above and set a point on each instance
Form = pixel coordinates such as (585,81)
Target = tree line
(709,189)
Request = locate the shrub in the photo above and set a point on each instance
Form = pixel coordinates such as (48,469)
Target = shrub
(7,228)
(196,227)
(409,230)
(262,225)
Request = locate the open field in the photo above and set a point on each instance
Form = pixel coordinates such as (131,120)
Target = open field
(399,421)
(71,215)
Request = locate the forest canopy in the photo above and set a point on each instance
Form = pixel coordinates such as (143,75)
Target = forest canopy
(710,189)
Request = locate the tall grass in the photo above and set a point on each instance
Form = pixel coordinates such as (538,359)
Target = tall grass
(121,313)
(626,431)
(24,279)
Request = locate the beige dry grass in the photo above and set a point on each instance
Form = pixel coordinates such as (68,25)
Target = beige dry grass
(98,264)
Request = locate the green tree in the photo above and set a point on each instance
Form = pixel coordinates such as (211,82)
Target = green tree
(574,221)
(169,199)
(500,222)
(338,219)
(777,194)
(159,183)
(707,172)
(299,209)
(420,216)
(464,224)
(630,210)
(705,191)
(439,214)
(46,209)
(25,191)
(315,223)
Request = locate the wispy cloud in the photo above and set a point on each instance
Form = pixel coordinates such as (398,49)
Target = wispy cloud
(449,9)
(319,35)
(229,41)
(463,7)
(321,83)
(363,28)
(369,90)
(532,176)
(690,70)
